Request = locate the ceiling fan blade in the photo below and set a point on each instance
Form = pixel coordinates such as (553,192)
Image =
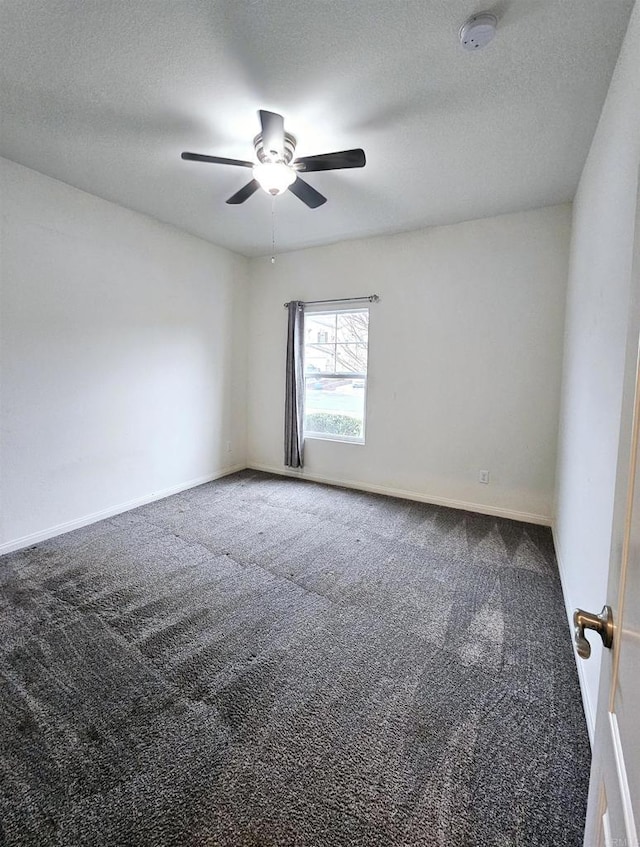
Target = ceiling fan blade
(272,133)
(307,194)
(244,193)
(332,161)
(217,160)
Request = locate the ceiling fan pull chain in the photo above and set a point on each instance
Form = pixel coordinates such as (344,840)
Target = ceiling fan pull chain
(273,230)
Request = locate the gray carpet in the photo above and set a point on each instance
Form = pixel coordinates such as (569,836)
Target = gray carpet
(262,661)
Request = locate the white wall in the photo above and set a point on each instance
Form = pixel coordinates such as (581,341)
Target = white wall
(123,357)
(464,359)
(596,325)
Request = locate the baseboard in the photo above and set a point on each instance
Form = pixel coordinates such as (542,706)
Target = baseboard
(586,703)
(405,494)
(94,517)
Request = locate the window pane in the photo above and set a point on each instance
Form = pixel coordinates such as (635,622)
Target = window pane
(353,326)
(319,329)
(335,343)
(319,358)
(334,406)
(351,358)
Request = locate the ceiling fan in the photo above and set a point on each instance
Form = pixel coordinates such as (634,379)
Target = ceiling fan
(276,170)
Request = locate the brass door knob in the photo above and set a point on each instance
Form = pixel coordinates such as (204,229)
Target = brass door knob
(602,624)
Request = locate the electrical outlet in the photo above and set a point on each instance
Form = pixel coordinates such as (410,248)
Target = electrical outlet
(483,477)
(228,446)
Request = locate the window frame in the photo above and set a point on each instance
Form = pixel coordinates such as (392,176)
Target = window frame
(330,436)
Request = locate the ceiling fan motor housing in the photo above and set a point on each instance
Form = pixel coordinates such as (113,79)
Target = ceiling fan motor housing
(272,156)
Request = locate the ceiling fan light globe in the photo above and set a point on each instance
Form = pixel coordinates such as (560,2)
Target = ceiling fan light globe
(274,177)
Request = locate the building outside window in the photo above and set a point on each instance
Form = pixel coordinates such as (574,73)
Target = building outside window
(335,358)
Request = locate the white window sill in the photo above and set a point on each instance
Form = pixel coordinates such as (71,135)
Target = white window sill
(343,439)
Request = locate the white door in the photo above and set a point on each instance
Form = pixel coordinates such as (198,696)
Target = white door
(613,813)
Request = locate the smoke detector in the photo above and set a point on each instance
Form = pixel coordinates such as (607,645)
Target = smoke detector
(478,31)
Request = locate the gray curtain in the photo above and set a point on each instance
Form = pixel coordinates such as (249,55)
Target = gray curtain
(294,398)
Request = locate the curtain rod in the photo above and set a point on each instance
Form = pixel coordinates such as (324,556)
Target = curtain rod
(372,298)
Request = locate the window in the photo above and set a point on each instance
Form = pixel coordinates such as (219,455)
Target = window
(335,374)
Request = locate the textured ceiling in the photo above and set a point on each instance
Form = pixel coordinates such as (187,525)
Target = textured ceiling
(106,94)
